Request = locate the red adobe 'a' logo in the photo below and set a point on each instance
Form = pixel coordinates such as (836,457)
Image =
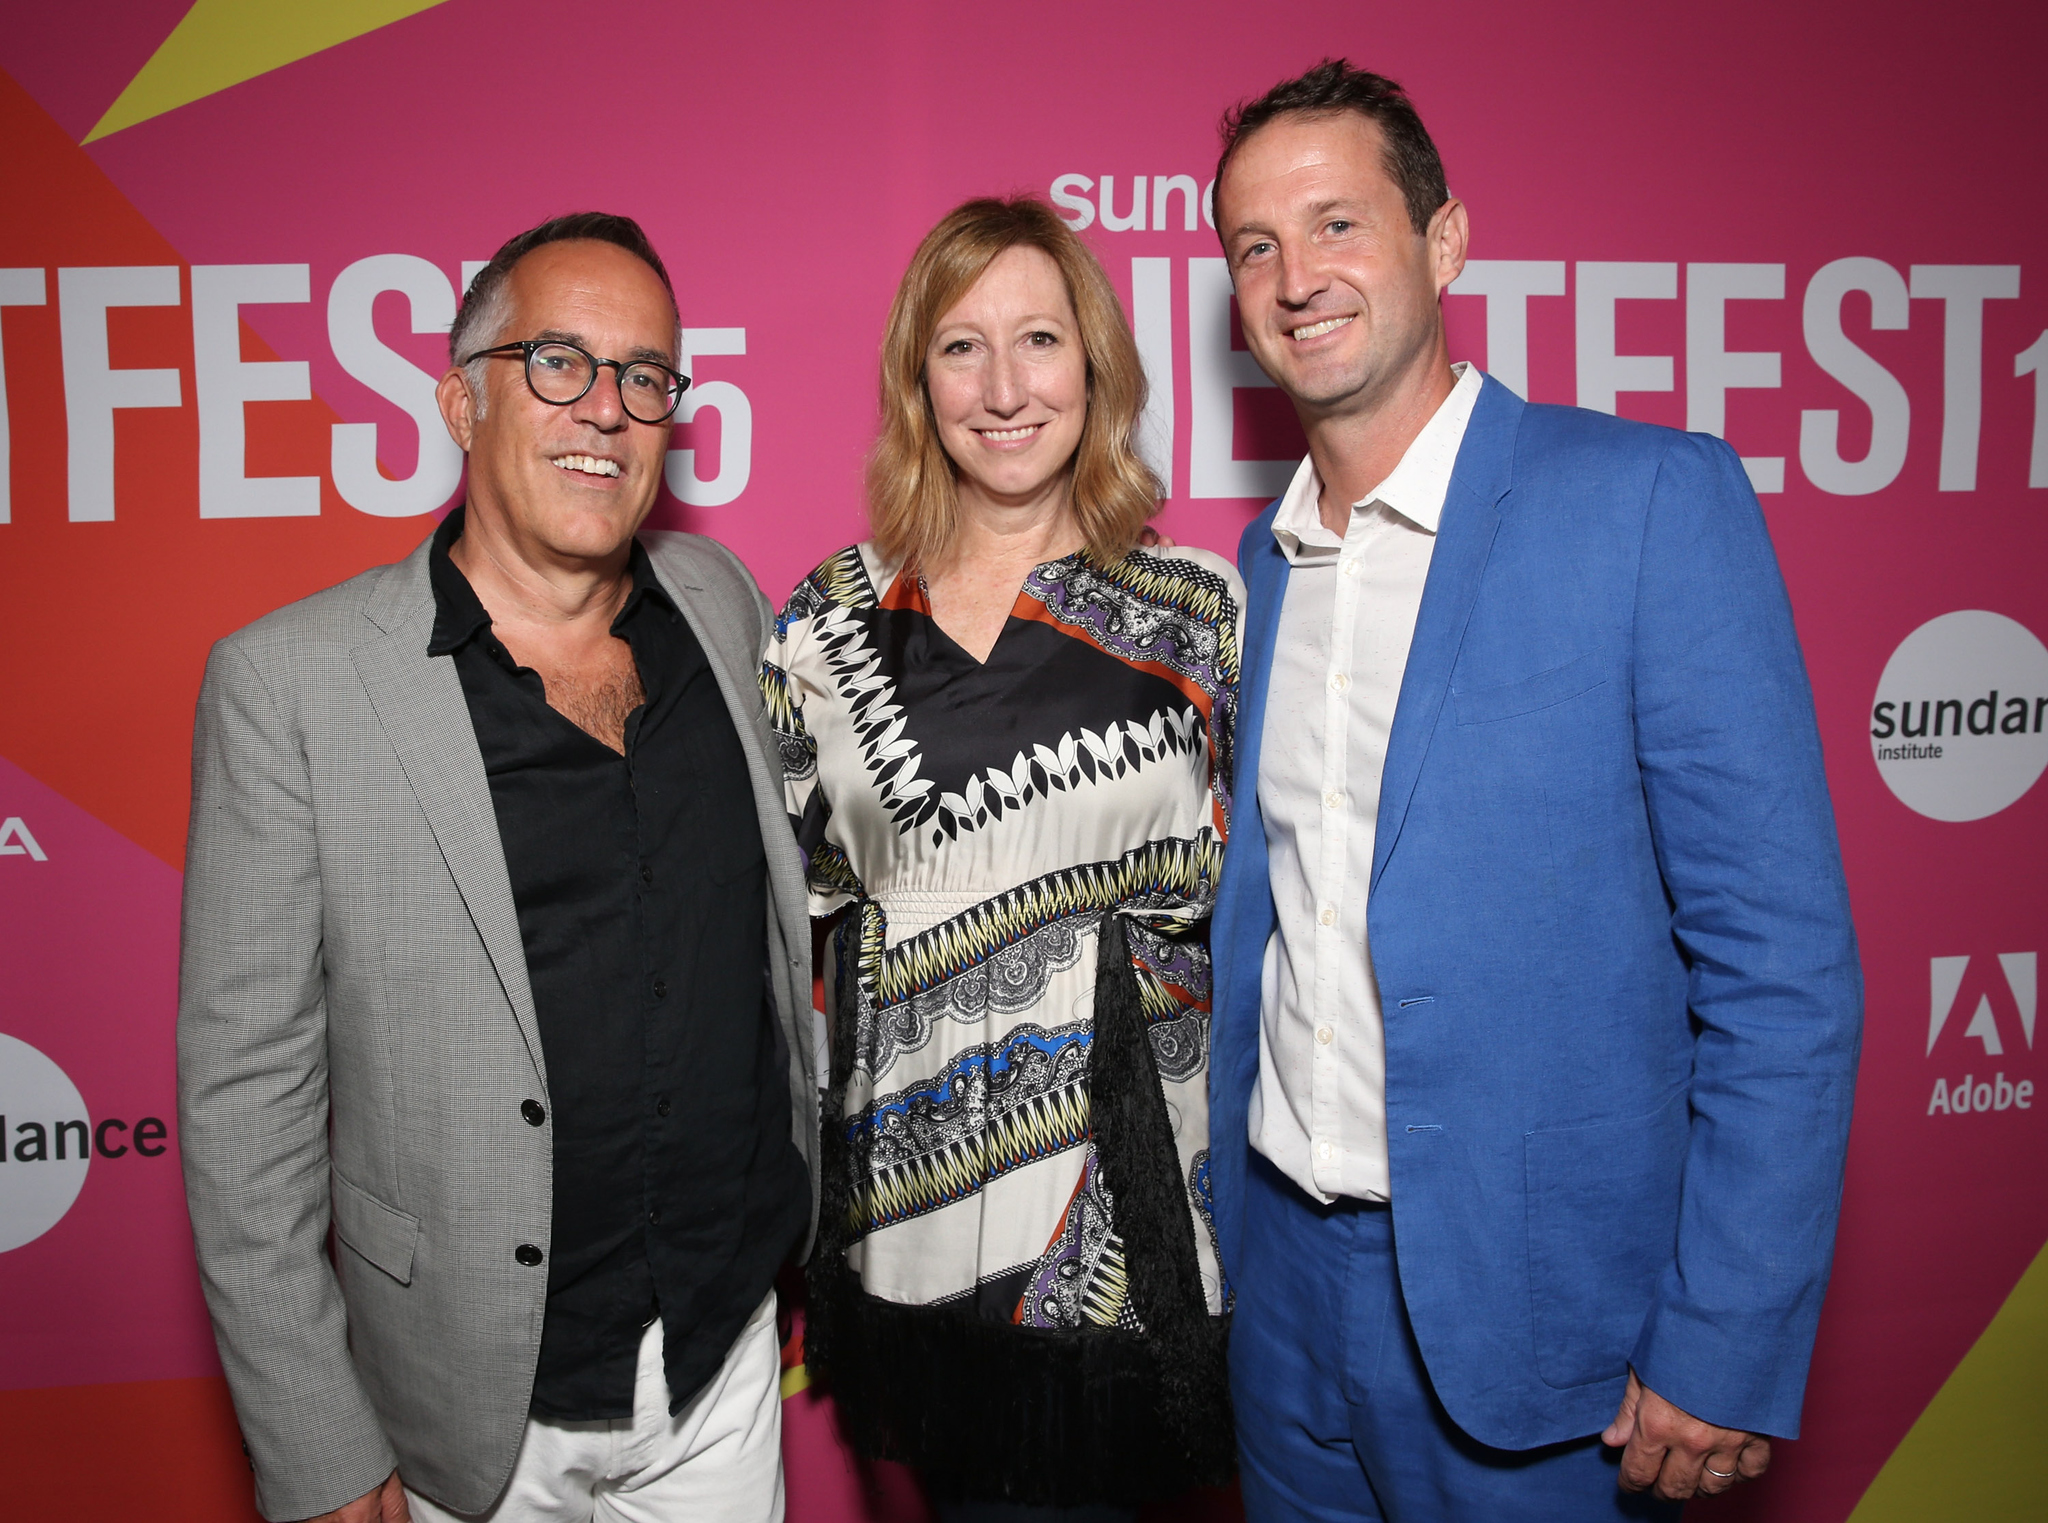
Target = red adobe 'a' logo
(1974,985)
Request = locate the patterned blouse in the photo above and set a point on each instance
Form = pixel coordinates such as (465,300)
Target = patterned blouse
(983,819)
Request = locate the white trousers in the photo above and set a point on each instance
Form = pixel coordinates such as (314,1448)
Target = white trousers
(719,1460)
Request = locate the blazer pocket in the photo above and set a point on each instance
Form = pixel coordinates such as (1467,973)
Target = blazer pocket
(1544,690)
(1602,1207)
(384,1235)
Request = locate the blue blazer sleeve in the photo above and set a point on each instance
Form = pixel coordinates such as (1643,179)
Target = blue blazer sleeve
(1731,765)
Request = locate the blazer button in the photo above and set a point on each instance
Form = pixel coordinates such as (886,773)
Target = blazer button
(527,1254)
(533,1112)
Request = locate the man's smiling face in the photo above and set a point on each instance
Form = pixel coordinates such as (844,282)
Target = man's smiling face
(1336,290)
(575,482)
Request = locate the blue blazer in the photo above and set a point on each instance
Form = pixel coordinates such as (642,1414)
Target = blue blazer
(1611,933)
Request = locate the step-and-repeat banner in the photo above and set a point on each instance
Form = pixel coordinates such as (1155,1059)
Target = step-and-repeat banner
(234,236)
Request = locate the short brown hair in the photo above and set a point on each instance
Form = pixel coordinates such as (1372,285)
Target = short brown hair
(912,489)
(481,302)
(1331,88)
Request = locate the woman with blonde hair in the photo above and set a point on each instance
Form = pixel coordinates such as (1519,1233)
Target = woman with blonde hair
(1006,732)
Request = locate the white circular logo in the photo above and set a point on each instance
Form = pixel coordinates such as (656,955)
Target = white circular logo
(1957,727)
(47,1137)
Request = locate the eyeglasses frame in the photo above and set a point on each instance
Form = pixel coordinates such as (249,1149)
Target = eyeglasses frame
(525,348)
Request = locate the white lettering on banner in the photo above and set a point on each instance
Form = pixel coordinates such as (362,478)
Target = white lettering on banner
(1184,186)
(1602,372)
(1152,325)
(1891,413)
(1994,1094)
(1106,199)
(2032,360)
(1711,371)
(1069,192)
(224,381)
(1963,289)
(17,841)
(1507,285)
(1216,372)
(1064,193)
(18,288)
(352,331)
(735,425)
(92,387)
(1957,722)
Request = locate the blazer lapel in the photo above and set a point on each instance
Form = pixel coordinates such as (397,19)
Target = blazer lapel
(1471,516)
(420,704)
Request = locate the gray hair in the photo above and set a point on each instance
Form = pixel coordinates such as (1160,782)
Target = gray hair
(483,309)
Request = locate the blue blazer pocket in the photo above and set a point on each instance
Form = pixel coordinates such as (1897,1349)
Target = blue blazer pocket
(383,1235)
(1603,1227)
(1545,690)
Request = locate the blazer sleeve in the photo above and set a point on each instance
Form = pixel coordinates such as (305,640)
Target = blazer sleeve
(1730,758)
(253,1102)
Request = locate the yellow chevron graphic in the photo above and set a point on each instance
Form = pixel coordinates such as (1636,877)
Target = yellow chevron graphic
(1042,1125)
(1103,1297)
(224,42)
(1180,867)
(1976,1452)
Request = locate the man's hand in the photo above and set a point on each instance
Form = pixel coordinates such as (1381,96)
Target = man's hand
(1677,1453)
(384,1505)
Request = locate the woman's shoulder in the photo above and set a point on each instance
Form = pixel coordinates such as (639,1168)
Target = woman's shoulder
(1196,566)
(855,577)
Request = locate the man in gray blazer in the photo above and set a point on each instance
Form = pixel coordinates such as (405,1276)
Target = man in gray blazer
(496,961)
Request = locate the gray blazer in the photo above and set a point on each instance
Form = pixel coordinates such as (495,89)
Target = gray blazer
(356,1036)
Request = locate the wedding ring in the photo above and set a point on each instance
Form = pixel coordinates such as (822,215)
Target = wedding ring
(1719,1475)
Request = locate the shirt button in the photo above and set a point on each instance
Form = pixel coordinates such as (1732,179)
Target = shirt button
(1325,1035)
(1328,916)
(1323,1149)
(1333,800)
(528,1255)
(661,1107)
(661,988)
(533,1111)
(654,1218)
(647,875)
(1339,682)
(1351,567)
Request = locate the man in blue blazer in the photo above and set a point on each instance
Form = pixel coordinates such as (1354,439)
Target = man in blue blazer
(1537,1003)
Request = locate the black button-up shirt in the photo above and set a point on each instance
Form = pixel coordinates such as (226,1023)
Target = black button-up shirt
(641,888)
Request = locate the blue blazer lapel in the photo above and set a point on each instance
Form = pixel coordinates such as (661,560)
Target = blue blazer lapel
(1484,472)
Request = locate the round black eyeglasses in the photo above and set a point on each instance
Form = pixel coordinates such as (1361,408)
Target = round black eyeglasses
(560,373)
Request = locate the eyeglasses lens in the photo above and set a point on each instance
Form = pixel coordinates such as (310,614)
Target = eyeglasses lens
(559,373)
(649,392)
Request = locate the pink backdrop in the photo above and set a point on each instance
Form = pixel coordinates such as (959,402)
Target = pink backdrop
(1630,156)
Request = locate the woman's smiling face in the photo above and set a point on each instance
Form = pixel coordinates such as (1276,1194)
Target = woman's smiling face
(1008,380)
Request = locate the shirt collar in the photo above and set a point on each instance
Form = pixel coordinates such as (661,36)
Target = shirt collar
(1415,489)
(460,616)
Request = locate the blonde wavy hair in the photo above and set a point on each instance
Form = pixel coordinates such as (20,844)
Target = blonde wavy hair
(912,484)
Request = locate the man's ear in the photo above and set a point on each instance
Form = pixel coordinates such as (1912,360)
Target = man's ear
(458,406)
(1450,232)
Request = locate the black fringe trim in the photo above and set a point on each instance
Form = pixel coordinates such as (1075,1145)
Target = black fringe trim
(992,1411)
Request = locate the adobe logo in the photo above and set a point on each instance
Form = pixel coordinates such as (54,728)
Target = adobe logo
(1950,988)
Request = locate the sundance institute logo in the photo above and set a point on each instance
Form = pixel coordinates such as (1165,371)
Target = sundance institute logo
(1959,726)
(48,1140)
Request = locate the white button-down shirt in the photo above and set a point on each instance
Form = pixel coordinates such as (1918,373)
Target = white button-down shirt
(1320,1109)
